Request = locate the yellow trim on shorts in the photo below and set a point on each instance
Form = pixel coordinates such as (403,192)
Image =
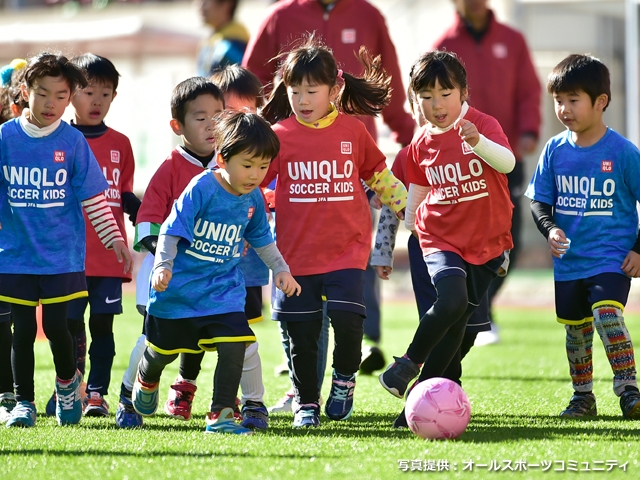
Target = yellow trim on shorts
(574,322)
(19,301)
(203,348)
(66,298)
(256,320)
(611,303)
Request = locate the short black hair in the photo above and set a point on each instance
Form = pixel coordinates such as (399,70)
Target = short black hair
(97,69)
(189,90)
(54,65)
(581,73)
(238,131)
(440,65)
(238,81)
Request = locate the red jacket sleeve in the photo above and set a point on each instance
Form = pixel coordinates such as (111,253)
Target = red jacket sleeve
(261,50)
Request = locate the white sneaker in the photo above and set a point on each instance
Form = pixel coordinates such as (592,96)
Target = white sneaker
(489,337)
(284,405)
(7,404)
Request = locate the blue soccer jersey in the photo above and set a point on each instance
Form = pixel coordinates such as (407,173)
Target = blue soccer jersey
(42,184)
(593,191)
(213,225)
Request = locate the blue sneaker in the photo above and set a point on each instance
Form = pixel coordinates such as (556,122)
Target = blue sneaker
(307,415)
(397,376)
(145,397)
(255,416)
(126,415)
(69,401)
(50,409)
(340,403)
(22,415)
(225,422)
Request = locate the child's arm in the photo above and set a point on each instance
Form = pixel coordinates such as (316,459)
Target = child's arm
(390,190)
(417,194)
(556,238)
(131,205)
(382,255)
(631,264)
(282,279)
(166,251)
(497,156)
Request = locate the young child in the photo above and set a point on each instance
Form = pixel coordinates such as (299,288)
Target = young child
(459,207)
(48,175)
(194,104)
(198,297)
(323,222)
(583,199)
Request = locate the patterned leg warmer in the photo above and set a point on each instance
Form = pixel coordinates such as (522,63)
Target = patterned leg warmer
(579,344)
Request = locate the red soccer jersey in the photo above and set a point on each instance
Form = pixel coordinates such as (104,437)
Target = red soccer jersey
(323,222)
(468,210)
(115,157)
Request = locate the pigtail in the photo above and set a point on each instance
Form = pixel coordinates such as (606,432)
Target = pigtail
(277,107)
(369,94)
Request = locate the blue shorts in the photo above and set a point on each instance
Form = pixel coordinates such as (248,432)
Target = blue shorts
(30,290)
(479,277)
(576,299)
(342,290)
(105,296)
(253,304)
(5,312)
(194,335)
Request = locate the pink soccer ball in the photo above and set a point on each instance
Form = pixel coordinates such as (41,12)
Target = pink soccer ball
(438,408)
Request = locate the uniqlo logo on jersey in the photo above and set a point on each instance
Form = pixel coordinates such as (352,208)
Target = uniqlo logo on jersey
(345,147)
(250,213)
(466,149)
(348,35)
(58,156)
(115,156)
(607,166)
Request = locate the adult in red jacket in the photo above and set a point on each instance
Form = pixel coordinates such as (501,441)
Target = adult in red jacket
(502,83)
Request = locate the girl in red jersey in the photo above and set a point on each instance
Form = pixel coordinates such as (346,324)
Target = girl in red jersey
(323,225)
(459,208)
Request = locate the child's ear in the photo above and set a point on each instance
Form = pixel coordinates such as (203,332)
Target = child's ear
(25,92)
(175,126)
(602,101)
(464,94)
(115,94)
(220,160)
(333,93)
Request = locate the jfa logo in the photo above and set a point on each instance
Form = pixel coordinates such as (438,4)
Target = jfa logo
(58,156)
(115,156)
(607,166)
(250,213)
(345,147)
(466,149)
(348,35)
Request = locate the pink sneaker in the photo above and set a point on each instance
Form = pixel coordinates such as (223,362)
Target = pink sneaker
(181,394)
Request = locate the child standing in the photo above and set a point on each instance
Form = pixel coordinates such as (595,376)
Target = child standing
(324,225)
(583,199)
(198,251)
(456,175)
(48,175)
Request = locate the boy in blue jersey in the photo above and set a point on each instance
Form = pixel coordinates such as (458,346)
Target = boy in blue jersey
(48,175)
(198,298)
(583,199)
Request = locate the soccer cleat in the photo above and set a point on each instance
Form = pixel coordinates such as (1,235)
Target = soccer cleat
(581,405)
(372,359)
(401,421)
(126,415)
(307,415)
(7,404)
(284,405)
(95,405)
(22,415)
(398,375)
(181,394)
(50,409)
(145,397)
(69,401)
(255,416)
(225,422)
(340,403)
(630,403)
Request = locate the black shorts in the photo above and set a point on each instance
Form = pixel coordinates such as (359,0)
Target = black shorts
(342,290)
(194,335)
(30,290)
(576,299)
(105,297)
(253,304)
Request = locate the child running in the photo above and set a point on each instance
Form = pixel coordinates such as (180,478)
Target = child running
(48,175)
(198,297)
(458,206)
(323,222)
(583,199)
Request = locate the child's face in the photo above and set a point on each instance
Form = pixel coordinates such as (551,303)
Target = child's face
(234,102)
(91,104)
(576,111)
(311,102)
(441,106)
(197,129)
(48,98)
(243,172)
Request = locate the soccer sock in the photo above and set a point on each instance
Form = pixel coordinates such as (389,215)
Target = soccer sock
(132,370)
(101,353)
(617,344)
(151,366)
(251,380)
(190,365)
(348,332)
(579,342)
(6,375)
(226,379)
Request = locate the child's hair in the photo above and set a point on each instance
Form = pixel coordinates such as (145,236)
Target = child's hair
(581,73)
(97,69)
(189,90)
(10,93)
(238,81)
(314,62)
(54,65)
(445,67)
(237,132)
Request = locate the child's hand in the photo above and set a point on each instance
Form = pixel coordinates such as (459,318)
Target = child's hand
(383,272)
(631,264)
(160,280)
(467,131)
(285,282)
(400,214)
(246,248)
(375,202)
(122,253)
(558,243)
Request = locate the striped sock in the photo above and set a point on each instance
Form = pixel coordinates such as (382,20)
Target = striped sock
(579,343)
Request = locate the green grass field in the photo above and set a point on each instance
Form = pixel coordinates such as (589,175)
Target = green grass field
(516,388)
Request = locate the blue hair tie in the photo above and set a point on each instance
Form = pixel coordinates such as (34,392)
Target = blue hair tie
(5,75)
